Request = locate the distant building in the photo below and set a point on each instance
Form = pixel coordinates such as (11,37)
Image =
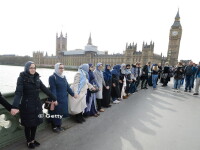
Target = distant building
(91,54)
(14,60)
(8,55)
(186,62)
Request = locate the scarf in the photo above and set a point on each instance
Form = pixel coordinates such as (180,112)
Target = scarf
(116,70)
(83,70)
(57,70)
(123,69)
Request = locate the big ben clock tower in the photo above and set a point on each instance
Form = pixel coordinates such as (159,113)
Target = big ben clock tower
(174,41)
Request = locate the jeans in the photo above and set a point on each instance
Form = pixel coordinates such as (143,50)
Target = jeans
(138,81)
(188,80)
(177,84)
(132,88)
(154,80)
(182,81)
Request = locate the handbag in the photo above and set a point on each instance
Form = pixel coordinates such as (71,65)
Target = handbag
(164,75)
(96,89)
(49,105)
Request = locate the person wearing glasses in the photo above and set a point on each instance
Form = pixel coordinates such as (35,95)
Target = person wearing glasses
(60,88)
(27,101)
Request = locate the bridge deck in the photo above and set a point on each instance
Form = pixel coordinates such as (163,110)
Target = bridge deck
(148,120)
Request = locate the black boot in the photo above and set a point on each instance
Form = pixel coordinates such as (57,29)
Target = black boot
(82,118)
(36,143)
(30,145)
(78,118)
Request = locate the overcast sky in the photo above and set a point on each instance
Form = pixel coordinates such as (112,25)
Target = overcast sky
(31,25)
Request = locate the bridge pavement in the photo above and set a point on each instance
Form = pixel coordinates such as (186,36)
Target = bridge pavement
(148,120)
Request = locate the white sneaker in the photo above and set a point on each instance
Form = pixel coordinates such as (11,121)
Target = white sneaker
(178,91)
(116,102)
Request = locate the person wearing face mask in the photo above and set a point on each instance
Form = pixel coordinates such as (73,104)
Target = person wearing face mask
(107,91)
(27,101)
(60,88)
(128,80)
(77,106)
(4,103)
(98,74)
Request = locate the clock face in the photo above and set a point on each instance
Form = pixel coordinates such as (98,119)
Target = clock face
(174,33)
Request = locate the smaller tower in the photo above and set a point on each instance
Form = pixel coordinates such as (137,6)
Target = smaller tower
(147,52)
(61,43)
(129,52)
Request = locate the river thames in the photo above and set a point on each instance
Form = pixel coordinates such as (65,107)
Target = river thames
(9,75)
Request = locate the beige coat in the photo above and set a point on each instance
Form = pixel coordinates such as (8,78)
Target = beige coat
(78,105)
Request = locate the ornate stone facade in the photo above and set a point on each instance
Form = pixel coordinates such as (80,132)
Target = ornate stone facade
(91,55)
(130,55)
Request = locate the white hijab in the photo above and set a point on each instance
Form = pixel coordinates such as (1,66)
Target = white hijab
(57,70)
(123,68)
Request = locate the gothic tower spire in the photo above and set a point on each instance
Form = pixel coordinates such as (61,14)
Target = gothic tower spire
(90,40)
(177,23)
(177,16)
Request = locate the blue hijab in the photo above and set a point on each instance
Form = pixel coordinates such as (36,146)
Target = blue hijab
(107,73)
(116,70)
(27,66)
(83,70)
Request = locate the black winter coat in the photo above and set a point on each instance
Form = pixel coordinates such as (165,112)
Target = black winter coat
(144,72)
(166,70)
(115,91)
(121,76)
(27,99)
(178,73)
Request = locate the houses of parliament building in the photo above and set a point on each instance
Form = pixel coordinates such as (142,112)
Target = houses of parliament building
(90,54)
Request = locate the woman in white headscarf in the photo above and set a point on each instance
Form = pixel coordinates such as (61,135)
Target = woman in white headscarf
(80,86)
(60,88)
